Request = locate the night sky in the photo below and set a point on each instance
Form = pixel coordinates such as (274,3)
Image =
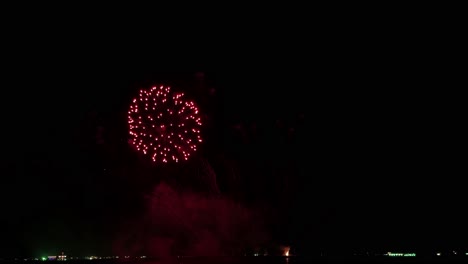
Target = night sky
(346,146)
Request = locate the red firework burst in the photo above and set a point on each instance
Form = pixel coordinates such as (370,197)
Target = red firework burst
(163,125)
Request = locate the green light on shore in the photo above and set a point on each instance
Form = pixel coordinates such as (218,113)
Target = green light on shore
(391,254)
(43,258)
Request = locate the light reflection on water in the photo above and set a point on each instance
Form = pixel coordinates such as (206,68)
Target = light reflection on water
(246,260)
(228,260)
(283,260)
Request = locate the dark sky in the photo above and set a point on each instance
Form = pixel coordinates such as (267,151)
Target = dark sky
(368,143)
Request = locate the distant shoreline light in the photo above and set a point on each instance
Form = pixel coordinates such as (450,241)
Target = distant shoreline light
(392,254)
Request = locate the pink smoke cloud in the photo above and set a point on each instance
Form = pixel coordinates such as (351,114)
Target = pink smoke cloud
(188,223)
